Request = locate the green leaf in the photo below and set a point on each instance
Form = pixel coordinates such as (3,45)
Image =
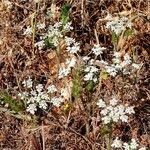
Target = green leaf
(76,89)
(114,38)
(48,43)
(65,11)
(13,104)
(90,86)
(128,32)
(103,75)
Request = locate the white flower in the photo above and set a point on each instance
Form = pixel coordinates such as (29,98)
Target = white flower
(89,76)
(130,110)
(97,50)
(127,60)
(91,71)
(118,25)
(51,89)
(63,72)
(117,54)
(39,88)
(66,92)
(40,44)
(28,31)
(69,41)
(111,70)
(126,146)
(27,83)
(23,95)
(56,101)
(41,26)
(43,104)
(106,119)
(113,102)
(133,144)
(32,108)
(136,66)
(85,58)
(71,63)
(104,112)
(74,48)
(124,118)
(101,103)
(117,143)
(68,26)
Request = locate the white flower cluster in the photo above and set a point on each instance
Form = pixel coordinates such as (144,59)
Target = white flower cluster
(65,70)
(114,112)
(97,49)
(91,72)
(54,33)
(39,96)
(133,145)
(117,25)
(67,26)
(72,46)
(27,31)
(121,65)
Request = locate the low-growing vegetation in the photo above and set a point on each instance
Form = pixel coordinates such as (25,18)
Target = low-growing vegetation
(74,75)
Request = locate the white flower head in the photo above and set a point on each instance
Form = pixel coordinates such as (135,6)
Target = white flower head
(136,66)
(32,108)
(27,83)
(39,88)
(28,31)
(101,103)
(56,101)
(113,102)
(117,143)
(97,49)
(51,89)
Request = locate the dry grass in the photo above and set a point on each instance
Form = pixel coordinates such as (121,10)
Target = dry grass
(56,129)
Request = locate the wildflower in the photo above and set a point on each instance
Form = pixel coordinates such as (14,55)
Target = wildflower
(27,83)
(97,50)
(133,144)
(117,143)
(85,58)
(40,44)
(114,111)
(101,103)
(118,25)
(130,110)
(91,71)
(43,104)
(27,31)
(51,89)
(63,72)
(68,26)
(56,101)
(32,108)
(113,102)
(71,63)
(41,26)
(39,88)
(136,66)
(72,46)
(111,70)
(127,60)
